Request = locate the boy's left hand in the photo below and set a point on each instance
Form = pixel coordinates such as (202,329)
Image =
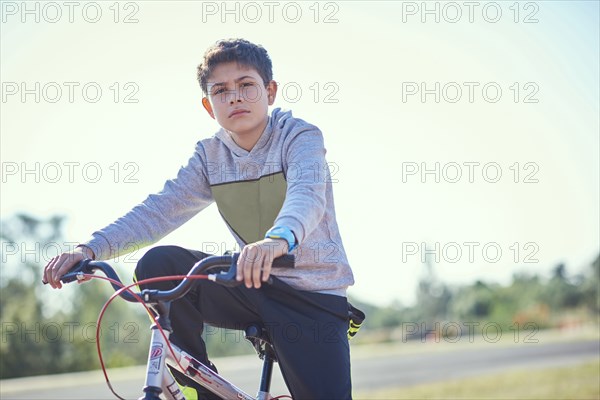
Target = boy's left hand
(256,259)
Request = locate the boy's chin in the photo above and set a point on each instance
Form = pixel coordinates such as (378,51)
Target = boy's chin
(241,128)
(236,130)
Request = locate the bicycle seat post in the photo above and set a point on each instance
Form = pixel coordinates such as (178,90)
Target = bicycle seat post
(259,338)
(266,375)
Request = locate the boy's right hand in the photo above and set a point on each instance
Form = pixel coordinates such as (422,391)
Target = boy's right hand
(60,265)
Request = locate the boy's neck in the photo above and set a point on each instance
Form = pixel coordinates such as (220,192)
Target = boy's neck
(247,140)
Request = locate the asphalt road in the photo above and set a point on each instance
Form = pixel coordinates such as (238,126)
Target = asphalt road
(374,367)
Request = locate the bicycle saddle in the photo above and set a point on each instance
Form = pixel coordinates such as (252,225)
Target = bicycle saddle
(258,336)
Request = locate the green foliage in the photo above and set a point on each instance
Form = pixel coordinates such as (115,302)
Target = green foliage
(382,317)
(590,288)
(43,332)
(475,302)
(225,342)
(528,301)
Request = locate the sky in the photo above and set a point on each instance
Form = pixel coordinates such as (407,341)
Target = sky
(466,133)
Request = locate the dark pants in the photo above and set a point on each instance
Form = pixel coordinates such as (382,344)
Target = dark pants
(306,330)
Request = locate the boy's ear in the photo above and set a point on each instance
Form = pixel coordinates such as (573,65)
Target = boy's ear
(271,92)
(208,107)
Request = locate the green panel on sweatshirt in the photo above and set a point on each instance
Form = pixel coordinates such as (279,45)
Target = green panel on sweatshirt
(250,207)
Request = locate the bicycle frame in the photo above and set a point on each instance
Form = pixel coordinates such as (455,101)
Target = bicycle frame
(159,379)
(162,352)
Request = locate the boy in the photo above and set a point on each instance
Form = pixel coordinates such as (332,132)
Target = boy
(270,180)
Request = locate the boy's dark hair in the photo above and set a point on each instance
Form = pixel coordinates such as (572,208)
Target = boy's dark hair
(240,51)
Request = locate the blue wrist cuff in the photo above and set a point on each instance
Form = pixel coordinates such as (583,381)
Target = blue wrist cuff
(279,232)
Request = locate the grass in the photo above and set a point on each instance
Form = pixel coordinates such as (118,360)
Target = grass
(576,382)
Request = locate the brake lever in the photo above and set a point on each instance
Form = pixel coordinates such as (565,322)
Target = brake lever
(227,278)
(77,273)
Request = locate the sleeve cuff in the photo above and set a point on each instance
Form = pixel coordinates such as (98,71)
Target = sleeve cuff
(100,246)
(294,225)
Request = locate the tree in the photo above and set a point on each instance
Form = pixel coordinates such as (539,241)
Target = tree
(47,331)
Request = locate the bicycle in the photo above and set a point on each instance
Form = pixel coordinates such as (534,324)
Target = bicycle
(162,352)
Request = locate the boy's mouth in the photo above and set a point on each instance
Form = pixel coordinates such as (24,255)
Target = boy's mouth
(238,112)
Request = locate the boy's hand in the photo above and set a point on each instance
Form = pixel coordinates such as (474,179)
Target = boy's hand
(256,259)
(60,265)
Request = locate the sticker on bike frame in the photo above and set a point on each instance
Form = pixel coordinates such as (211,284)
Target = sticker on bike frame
(174,389)
(155,358)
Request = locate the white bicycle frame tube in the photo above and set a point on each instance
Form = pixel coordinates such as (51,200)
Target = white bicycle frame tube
(170,388)
(204,376)
(158,375)
(156,359)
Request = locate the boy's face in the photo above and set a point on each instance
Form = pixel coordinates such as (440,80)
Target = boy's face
(238,99)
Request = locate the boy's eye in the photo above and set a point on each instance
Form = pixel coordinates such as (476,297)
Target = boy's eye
(218,91)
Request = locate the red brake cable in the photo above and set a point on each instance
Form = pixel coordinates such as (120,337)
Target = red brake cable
(127,288)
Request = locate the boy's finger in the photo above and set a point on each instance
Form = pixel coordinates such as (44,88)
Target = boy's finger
(48,271)
(248,274)
(247,263)
(56,268)
(55,275)
(256,272)
(266,271)
(242,264)
(64,264)
(55,272)
(238,274)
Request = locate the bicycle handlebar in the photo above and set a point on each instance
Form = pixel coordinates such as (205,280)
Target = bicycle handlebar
(226,278)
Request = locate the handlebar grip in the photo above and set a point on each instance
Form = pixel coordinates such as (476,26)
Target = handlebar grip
(228,278)
(285,261)
(82,267)
(89,267)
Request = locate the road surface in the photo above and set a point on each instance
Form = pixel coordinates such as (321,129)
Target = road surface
(373,367)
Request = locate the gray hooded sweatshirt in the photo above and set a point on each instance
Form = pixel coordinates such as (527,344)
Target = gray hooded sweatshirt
(283,181)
